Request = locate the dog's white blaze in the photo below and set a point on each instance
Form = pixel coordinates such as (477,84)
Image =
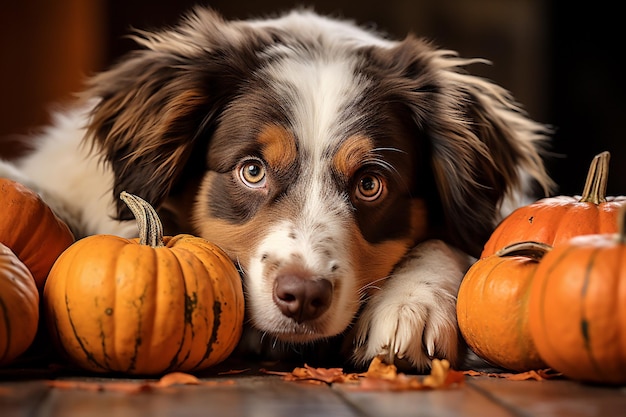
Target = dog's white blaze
(316,238)
(319,90)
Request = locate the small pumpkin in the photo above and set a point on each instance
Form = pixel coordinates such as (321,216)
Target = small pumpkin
(555,220)
(30,228)
(492,307)
(19,306)
(144,306)
(577,307)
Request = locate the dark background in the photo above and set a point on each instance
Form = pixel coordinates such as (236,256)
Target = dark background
(559,58)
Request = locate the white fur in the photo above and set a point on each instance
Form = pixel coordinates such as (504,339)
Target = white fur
(413,316)
(72,179)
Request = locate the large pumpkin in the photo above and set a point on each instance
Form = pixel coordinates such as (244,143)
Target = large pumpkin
(492,307)
(144,306)
(19,306)
(557,219)
(30,228)
(577,307)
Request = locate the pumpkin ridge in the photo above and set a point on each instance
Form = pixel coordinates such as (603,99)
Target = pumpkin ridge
(584,322)
(542,296)
(176,361)
(7,324)
(106,354)
(90,357)
(138,339)
(103,344)
(522,319)
(217,312)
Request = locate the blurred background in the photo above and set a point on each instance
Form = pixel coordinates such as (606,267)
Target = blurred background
(558,58)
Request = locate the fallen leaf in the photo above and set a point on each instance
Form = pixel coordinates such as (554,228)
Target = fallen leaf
(378,377)
(537,375)
(133,387)
(438,374)
(176,378)
(441,377)
(309,373)
(379,369)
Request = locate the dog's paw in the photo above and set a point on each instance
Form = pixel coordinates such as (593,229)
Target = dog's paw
(413,317)
(414,329)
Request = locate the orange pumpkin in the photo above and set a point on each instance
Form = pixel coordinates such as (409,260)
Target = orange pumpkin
(30,228)
(557,219)
(144,306)
(577,307)
(492,307)
(19,306)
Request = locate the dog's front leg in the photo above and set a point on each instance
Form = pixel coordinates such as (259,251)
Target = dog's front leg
(413,316)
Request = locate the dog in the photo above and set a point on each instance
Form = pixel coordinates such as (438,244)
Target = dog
(351,177)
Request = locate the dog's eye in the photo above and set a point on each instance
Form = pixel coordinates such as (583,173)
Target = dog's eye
(369,187)
(252,174)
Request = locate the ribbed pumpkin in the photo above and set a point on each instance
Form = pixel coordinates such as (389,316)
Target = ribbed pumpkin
(492,307)
(557,219)
(577,307)
(144,306)
(19,306)
(30,228)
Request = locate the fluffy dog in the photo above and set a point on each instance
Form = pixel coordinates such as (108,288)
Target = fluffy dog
(351,177)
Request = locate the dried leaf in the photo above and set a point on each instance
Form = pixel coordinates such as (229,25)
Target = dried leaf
(471,372)
(537,375)
(381,370)
(441,377)
(176,378)
(378,377)
(309,373)
(438,374)
(134,387)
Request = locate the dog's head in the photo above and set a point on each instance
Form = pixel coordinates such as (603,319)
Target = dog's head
(316,154)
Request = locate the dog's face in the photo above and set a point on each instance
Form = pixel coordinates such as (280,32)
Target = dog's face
(314,153)
(314,206)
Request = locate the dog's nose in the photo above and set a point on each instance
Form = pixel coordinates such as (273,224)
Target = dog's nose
(302,298)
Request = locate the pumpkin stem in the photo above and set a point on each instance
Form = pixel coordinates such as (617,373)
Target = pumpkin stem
(148,222)
(533,250)
(597,179)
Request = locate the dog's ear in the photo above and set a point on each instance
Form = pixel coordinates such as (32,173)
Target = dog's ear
(152,109)
(483,146)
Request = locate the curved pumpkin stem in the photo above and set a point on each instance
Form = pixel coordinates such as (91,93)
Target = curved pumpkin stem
(148,222)
(533,250)
(597,179)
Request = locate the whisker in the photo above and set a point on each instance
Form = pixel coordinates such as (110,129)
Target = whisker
(388,149)
(372,285)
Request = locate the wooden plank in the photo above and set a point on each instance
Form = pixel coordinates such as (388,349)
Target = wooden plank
(248,396)
(553,398)
(21,398)
(453,402)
